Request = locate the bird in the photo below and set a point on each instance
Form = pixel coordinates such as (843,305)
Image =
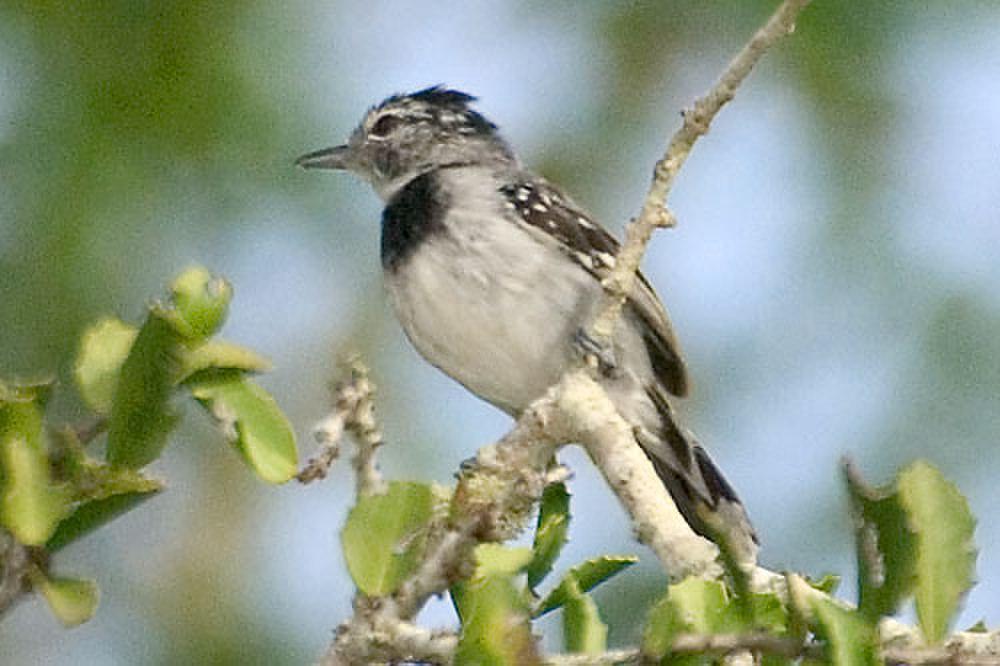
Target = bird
(493,273)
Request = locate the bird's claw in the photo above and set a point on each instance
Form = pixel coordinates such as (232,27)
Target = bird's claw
(466,466)
(586,346)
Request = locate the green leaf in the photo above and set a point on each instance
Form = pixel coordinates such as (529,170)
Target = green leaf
(220,355)
(384,536)
(141,417)
(665,621)
(769,612)
(496,631)
(583,630)
(979,628)
(738,577)
(251,419)
(496,627)
(704,604)
(100,492)
(31,504)
(585,576)
(945,554)
(92,514)
(827,583)
(798,607)
(71,600)
(30,392)
(849,639)
(200,303)
(492,560)
(773,660)
(885,545)
(104,347)
(700,606)
(550,535)
(693,605)
(915,537)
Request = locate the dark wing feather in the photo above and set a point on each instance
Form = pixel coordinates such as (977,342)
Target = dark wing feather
(658,334)
(543,206)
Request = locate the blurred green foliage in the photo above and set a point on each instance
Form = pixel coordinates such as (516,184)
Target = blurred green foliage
(126,116)
(53,491)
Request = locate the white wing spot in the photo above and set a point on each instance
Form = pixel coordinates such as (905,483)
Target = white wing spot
(606,259)
(541,208)
(584,222)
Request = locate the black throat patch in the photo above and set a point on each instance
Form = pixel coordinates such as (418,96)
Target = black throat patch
(414,214)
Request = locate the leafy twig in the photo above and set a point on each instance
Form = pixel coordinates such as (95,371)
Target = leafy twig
(514,469)
(492,502)
(987,653)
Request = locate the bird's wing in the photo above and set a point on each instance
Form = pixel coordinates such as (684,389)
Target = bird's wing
(541,205)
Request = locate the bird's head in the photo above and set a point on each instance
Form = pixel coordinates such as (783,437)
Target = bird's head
(407,135)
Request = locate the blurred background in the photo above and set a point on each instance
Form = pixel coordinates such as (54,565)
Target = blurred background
(833,277)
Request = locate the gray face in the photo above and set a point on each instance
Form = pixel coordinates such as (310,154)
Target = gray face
(407,135)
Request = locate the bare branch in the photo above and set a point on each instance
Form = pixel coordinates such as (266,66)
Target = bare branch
(610,443)
(609,658)
(985,652)
(493,500)
(380,639)
(15,563)
(354,412)
(657,522)
(697,119)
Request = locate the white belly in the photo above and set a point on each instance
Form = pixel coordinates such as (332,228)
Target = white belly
(497,316)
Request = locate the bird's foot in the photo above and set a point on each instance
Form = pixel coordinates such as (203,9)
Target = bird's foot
(467,466)
(586,346)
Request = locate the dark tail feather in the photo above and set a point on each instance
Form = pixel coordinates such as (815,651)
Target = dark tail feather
(702,494)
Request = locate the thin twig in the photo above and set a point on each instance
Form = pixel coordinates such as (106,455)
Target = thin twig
(15,563)
(619,283)
(697,119)
(609,658)
(383,640)
(724,644)
(492,502)
(353,412)
(768,644)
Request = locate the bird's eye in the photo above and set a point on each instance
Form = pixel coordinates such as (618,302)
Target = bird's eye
(384,126)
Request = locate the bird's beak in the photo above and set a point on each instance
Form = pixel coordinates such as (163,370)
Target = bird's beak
(337,157)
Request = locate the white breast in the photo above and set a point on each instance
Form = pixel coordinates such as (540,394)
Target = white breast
(488,305)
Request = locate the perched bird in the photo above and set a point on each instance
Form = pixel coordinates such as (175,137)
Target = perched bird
(493,272)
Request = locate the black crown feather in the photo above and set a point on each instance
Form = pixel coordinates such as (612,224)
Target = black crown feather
(445,97)
(439,99)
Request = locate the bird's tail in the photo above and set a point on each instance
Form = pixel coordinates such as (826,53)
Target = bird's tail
(702,495)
